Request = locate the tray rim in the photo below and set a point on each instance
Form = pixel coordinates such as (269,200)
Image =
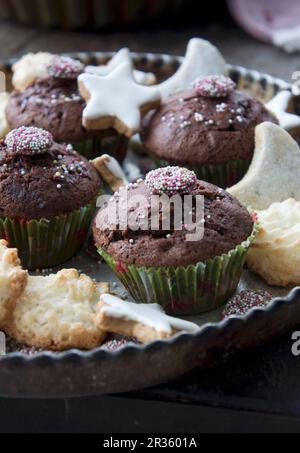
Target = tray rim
(207,329)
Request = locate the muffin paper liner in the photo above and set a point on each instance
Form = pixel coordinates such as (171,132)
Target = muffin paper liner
(46,243)
(185,290)
(224,176)
(94,147)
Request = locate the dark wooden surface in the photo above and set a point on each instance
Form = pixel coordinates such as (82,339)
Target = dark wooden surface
(259,391)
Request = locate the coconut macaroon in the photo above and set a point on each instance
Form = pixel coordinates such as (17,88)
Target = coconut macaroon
(275,253)
(30,67)
(57,312)
(13,280)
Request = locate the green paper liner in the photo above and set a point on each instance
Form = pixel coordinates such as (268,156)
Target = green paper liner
(47,243)
(93,147)
(224,175)
(185,290)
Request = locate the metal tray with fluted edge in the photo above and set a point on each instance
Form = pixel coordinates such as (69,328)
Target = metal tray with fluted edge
(77,373)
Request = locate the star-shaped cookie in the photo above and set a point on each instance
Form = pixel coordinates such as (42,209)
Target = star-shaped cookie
(123,56)
(201,59)
(279,106)
(273,175)
(116,100)
(145,322)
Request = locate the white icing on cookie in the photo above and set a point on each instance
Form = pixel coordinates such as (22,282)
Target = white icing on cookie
(279,106)
(123,56)
(115,168)
(29,68)
(4,127)
(201,59)
(116,97)
(273,175)
(151,315)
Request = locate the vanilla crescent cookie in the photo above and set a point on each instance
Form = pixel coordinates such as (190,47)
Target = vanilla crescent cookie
(29,68)
(123,56)
(145,322)
(13,280)
(4,127)
(273,175)
(116,100)
(275,253)
(111,171)
(57,312)
(202,59)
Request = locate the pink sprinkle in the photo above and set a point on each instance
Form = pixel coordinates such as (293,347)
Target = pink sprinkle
(29,141)
(214,86)
(170,181)
(65,68)
(242,303)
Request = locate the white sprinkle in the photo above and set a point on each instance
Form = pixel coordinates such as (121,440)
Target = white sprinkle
(198,117)
(185,124)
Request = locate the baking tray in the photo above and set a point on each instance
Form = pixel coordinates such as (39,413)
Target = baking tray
(77,373)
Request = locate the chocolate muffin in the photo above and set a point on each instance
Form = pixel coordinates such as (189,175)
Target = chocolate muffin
(47,196)
(209,129)
(53,103)
(147,260)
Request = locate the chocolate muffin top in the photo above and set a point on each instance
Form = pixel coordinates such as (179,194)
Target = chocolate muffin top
(226,223)
(52,102)
(210,124)
(42,179)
